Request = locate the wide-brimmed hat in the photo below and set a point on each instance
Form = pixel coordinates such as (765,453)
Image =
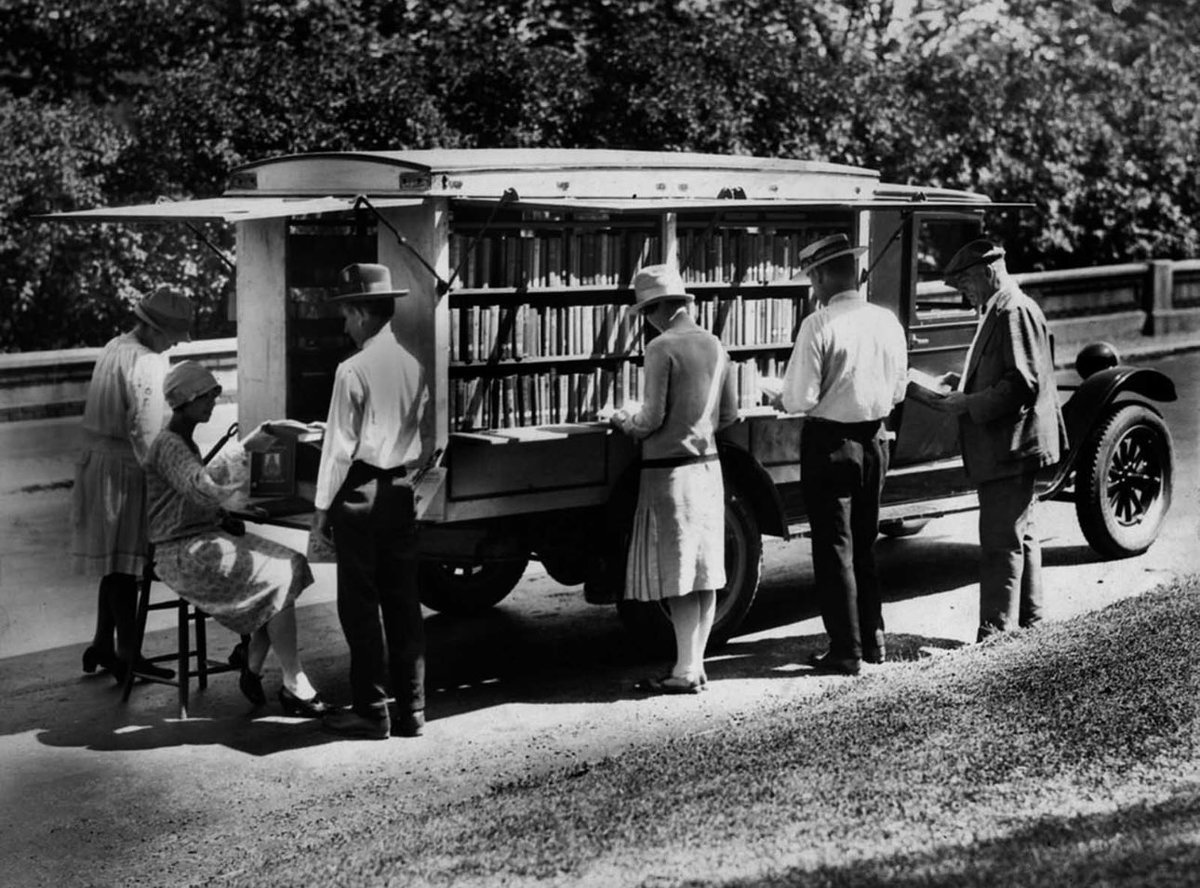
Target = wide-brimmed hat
(363,281)
(821,251)
(654,283)
(187,381)
(168,311)
(978,252)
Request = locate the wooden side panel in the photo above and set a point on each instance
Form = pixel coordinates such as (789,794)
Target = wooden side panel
(261,321)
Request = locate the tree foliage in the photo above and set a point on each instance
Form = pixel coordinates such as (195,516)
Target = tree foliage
(1087,108)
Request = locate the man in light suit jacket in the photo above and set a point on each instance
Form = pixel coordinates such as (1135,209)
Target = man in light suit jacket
(1010,426)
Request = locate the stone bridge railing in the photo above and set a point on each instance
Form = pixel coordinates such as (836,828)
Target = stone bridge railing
(1139,299)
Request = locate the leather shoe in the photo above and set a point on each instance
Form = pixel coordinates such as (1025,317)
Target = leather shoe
(834,665)
(94,658)
(876,655)
(668,684)
(348,723)
(313,707)
(409,724)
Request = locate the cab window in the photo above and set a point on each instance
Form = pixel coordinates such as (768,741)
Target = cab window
(937,239)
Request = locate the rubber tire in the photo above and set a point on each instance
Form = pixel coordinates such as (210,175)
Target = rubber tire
(903,527)
(461,588)
(1131,436)
(650,624)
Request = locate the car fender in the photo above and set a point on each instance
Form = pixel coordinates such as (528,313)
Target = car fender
(1092,400)
(740,468)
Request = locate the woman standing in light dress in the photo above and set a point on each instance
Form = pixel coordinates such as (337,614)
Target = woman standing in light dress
(245,582)
(123,413)
(677,550)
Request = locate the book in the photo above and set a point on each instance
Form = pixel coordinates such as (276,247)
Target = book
(923,385)
(299,432)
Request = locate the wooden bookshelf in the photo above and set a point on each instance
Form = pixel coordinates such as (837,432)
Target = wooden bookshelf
(316,342)
(541,330)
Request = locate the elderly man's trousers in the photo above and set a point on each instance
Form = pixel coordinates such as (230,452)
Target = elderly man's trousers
(1010,581)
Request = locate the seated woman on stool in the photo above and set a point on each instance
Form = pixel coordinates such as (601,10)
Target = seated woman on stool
(245,582)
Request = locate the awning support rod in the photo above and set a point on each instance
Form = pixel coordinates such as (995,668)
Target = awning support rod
(203,238)
(509,196)
(442,286)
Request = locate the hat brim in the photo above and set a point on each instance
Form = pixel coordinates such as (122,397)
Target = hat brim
(848,251)
(366,297)
(654,300)
(184,335)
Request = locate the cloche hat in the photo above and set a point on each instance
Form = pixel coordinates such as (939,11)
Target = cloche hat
(978,252)
(821,251)
(168,311)
(654,283)
(365,280)
(187,381)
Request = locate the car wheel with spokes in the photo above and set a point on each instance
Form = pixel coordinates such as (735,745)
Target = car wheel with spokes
(1123,481)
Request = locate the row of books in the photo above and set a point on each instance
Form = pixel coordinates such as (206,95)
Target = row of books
(516,331)
(760,256)
(537,258)
(548,258)
(552,396)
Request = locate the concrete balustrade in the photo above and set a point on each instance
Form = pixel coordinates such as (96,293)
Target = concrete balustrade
(1114,302)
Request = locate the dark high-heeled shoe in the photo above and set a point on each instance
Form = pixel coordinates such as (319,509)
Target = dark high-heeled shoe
(250,684)
(94,658)
(313,707)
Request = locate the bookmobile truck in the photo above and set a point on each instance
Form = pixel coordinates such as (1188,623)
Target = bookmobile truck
(518,265)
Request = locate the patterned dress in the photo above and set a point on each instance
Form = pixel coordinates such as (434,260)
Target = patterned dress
(124,411)
(241,581)
(678,540)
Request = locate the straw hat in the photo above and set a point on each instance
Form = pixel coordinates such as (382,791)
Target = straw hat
(168,311)
(821,251)
(654,283)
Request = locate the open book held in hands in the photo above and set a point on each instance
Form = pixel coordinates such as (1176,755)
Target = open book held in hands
(922,385)
(302,432)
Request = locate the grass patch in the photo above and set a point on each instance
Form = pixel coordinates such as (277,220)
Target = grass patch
(1060,756)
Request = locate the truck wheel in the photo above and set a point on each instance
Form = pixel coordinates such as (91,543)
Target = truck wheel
(464,587)
(902,527)
(649,622)
(1123,481)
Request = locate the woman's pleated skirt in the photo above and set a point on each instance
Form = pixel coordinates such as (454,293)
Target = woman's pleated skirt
(678,540)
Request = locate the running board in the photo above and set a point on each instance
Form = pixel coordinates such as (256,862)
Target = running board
(928,509)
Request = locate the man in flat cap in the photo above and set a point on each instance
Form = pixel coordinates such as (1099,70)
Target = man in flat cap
(847,371)
(372,443)
(1010,426)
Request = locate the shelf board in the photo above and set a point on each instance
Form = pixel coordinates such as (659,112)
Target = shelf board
(533,364)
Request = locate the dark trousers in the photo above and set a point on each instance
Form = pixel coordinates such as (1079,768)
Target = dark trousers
(374,532)
(1010,570)
(842,467)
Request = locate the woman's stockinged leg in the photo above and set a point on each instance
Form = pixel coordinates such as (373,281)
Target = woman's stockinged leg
(282,631)
(686,621)
(707,599)
(106,623)
(122,607)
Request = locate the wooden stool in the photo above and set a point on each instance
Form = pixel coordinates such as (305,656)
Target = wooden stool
(183,670)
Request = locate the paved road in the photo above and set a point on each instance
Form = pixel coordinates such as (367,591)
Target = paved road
(131,797)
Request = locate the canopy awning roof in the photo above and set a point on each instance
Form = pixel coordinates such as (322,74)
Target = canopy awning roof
(710,205)
(227,209)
